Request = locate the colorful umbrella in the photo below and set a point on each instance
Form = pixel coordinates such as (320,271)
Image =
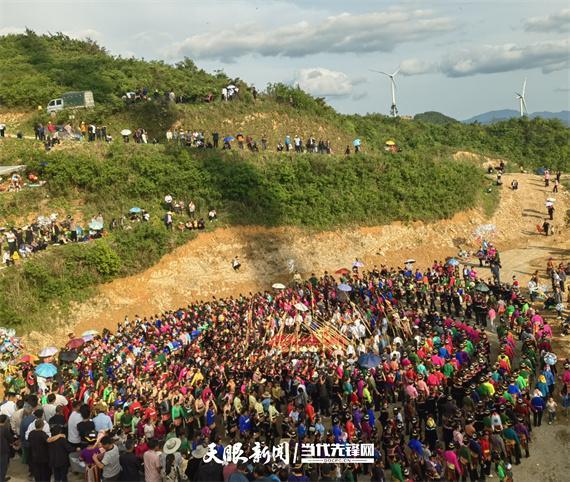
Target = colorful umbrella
(28,359)
(75,343)
(229,139)
(301,307)
(390,143)
(550,358)
(358,264)
(68,356)
(46,370)
(482,288)
(369,360)
(344,287)
(49,351)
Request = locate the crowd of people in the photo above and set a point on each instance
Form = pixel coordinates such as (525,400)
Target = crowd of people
(440,400)
(189,219)
(199,139)
(17,243)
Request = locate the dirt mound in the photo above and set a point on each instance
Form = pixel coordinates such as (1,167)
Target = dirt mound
(485,161)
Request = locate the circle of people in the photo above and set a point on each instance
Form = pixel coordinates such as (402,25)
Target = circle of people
(148,401)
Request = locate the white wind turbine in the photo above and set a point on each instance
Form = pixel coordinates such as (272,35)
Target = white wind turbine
(522,100)
(393,108)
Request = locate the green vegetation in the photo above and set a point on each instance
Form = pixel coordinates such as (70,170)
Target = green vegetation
(314,191)
(44,285)
(432,117)
(37,68)
(421,182)
(532,143)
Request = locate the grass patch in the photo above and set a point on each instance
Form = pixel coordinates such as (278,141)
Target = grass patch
(312,191)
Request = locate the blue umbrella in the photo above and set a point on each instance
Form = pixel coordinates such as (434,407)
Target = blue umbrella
(344,287)
(369,360)
(229,139)
(46,370)
(356,142)
(453,262)
(135,210)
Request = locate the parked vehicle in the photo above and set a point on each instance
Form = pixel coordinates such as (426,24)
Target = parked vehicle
(72,100)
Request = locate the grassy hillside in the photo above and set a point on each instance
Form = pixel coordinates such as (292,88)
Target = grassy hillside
(421,182)
(314,191)
(36,68)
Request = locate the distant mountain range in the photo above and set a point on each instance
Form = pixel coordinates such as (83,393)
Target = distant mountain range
(499,115)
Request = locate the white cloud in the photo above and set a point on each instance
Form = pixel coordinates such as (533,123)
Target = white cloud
(549,56)
(490,59)
(344,33)
(556,22)
(417,67)
(323,82)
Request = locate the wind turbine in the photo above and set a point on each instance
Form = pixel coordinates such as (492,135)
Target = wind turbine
(393,108)
(522,100)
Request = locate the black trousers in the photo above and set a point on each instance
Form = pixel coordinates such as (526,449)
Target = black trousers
(4,462)
(60,473)
(537,418)
(41,472)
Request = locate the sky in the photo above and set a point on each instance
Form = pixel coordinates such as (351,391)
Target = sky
(458,57)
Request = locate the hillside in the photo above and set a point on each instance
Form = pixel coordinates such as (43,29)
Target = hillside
(433,117)
(506,114)
(308,190)
(36,68)
(422,182)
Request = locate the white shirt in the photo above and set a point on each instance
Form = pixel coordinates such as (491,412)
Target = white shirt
(49,411)
(60,400)
(72,432)
(8,408)
(32,426)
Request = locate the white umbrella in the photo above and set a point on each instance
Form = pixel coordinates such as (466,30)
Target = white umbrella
(550,358)
(126,132)
(410,261)
(301,307)
(278,286)
(90,333)
(551,200)
(48,351)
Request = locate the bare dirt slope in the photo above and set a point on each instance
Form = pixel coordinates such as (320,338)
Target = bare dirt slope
(201,268)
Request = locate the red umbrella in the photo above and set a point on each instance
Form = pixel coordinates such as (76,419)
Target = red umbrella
(342,271)
(28,359)
(75,343)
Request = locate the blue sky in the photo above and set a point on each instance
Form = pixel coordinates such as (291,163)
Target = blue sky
(458,57)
